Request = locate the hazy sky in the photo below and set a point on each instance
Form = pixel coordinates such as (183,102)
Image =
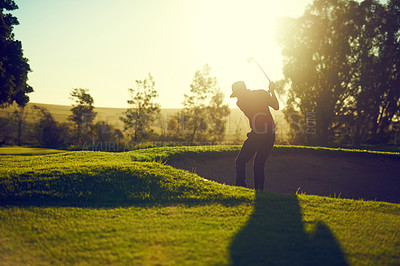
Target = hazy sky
(105,46)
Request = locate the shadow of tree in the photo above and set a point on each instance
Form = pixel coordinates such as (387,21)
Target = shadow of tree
(275,235)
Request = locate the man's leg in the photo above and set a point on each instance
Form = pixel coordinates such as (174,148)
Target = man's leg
(245,154)
(260,159)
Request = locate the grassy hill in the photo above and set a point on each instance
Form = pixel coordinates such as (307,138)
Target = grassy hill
(131,208)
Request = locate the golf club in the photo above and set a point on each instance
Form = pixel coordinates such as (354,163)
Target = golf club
(252,59)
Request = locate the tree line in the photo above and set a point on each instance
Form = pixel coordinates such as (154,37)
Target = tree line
(201,121)
(341,68)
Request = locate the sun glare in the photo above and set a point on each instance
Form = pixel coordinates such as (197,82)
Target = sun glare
(108,47)
(226,33)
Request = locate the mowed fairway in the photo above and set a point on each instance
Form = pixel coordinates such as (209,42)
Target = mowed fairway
(131,208)
(17,150)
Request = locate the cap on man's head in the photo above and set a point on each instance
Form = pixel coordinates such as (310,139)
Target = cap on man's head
(237,87)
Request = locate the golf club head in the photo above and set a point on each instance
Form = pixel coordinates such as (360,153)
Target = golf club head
(250,59)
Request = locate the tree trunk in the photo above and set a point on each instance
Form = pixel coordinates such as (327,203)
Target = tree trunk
(323,130)
(79,134)
(20,115)
(357,133)
(193,134)
(19,132)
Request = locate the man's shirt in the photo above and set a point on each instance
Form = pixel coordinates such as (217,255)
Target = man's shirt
(255,105)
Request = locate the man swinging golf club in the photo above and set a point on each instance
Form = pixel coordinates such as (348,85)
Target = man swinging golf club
(260,140)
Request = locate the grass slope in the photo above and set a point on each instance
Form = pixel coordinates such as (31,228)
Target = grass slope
(90,178)
(97,208)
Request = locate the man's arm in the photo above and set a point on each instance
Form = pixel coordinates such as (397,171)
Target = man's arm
(274,103)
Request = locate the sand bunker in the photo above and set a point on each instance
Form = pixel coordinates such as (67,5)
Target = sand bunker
(317,173)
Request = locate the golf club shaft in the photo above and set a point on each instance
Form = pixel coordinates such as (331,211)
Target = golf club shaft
(262,70)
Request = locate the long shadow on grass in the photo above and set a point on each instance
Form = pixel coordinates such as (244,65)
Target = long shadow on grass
(275,235)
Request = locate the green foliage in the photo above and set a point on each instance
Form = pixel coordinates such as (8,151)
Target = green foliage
(14,67)
(20,114)
(203,116)
(49,132)
(15,127)
(104,132)
(33,125)
(376,50)
(341,61)
(217,117)
(83,114)
(144,110)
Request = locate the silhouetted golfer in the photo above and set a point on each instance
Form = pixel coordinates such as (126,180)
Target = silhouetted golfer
(260,140)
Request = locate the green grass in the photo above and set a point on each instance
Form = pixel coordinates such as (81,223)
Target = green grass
(169,153)
(162,154)
(18,150)
(336,151)
(90,178)
(129,208)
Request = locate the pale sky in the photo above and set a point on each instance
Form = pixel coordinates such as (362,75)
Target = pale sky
(105,46)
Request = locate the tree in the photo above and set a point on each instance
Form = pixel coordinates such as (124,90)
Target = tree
(104,132)
(47,130)
(175,125)
(144,110)
(217,116)
(203,113)
(14,66)
(5,127)
(83,114)
(341,62)
(163,126)
(20,115)
(375,85)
